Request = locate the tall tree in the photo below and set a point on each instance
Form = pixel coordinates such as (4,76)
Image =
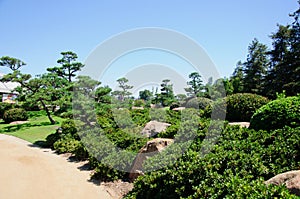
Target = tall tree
(44,89)
(145,95)
(166,94)
(237,78)
(68,67)
(284,73)
(12,63)
(195,85)
(124,92)
(255,67)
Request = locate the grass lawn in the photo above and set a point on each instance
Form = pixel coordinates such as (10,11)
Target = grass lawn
(36,129)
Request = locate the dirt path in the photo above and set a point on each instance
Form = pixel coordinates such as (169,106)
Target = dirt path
(29,172)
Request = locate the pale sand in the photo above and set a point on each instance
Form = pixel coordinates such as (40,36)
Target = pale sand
(28,172)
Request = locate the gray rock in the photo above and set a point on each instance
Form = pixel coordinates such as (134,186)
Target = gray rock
(154,127)
(290,179)
(151,148)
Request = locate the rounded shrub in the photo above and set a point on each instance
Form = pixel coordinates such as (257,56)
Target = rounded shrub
(241,106)
(277,114)
(15,114)
(198,103)
(68,127)
(4,107)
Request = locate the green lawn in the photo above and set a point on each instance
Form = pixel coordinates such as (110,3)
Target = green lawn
(36,129)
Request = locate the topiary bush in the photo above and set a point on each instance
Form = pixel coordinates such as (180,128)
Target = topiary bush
(277,114)
(198,103)
(241,106)
(15,114)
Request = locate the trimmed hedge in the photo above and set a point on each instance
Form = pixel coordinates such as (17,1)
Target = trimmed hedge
(15,114)
(277,114)
(241,106)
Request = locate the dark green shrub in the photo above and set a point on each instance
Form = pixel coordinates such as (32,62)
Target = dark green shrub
(67,144)
(241,106)
(4,107)
(198,103)
(51,139)
(277,114)
(68,127)
(15,114)
(239,163)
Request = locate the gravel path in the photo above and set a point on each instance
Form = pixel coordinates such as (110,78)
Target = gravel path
(28,172)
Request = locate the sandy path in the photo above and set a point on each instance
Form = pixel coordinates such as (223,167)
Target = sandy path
(29,172)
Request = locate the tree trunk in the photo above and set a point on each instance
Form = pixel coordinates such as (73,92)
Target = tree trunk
(52,121)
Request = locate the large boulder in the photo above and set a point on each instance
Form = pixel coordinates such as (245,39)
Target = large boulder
(290,179)
(151,148)
(154,127)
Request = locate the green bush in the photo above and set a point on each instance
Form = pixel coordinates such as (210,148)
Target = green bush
(277,114)
(15,114)
(67,144)
(4,107)
(68,127)
(237,167)
(241,106)
(198,103)
(51,139)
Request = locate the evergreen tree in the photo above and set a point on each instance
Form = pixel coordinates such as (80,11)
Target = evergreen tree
(196,86)
(255,67)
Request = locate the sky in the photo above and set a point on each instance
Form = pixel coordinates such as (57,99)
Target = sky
(37,31)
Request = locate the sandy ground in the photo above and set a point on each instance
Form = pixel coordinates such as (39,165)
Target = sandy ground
(30,172)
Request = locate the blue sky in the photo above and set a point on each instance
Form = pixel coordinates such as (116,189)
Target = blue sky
(37,31)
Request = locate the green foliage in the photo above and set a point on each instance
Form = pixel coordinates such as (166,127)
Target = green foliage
(12,63)
(145,95)
(277,114)
(4,107)
(255,67)
(124,89)
(67,144)
(196,86)
(198,103)
(68,67)
(68,127)
(241,106)
(30,106)
(15,114)
(139,103)
(166,97)
(239,163)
